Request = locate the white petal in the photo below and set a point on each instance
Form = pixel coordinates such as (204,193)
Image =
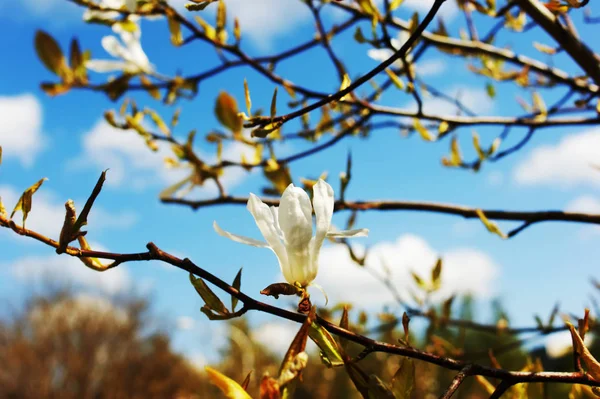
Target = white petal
(348,233)
(266,224)
(381,54)
(295,217)
(101,15)
(323,201)
(131,5)
(275,213)
(238,238)
(113,47)
(102,66)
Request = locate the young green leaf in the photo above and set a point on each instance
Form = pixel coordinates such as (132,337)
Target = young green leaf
(24,203)
(209,297)
(403,381)
(489,225)
(274,104)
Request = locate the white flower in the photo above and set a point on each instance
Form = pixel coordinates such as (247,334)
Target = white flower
(133,60)
(383,54)
(288,230)
(130,5)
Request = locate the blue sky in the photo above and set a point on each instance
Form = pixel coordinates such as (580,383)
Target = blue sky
(65,139)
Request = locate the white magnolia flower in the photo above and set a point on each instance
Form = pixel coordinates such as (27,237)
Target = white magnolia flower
(133,60)
(288,230)
(382,54)
(130,5)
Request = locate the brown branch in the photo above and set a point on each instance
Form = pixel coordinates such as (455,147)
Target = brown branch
(382,205)
(501,389)
(360,81)
(479,48)
(579,52)
(457,381)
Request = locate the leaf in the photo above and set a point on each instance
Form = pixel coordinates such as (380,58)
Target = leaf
(209,31)
(2,209)
(117,87)
(489,388)
(247,381)
(230,388)
(344,325)
(544,49)
(175,30)
(436,273)
(455,155)
(418,280)
(403,381)
(92,263)
(54,89)
(491,226)
(378,389)
(237,282)
(170,191)
(236,30)
(24,203)
(491,90)
(591,364)
(209,297)
(359,37)
(51,55)
(395,79)
(405,324)
(297,347)
(359,378)
(423,132)
(274,104)
(330,353)
(482,155)
(279,175)
(345,84)
(226,110)
(150,88)
(395,4)
(247,97)
(539,106)
(221,21)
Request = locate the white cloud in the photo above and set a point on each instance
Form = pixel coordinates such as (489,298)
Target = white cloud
(132,163)
(277,336)
(48,213)
(64,269)
(185,323)
(464,271)
(584,204)
(560,343)
(20,128)
(448,10)
(571,162)
(475,99)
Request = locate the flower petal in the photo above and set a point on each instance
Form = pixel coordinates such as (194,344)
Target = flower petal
(102,66)
(323,202)
(295,217)
(348,233)
(113,47)
(266,224)
(238,238)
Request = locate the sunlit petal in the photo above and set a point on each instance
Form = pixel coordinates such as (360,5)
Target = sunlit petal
(348,233)
(295,217)
(238,238)
(103,66)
